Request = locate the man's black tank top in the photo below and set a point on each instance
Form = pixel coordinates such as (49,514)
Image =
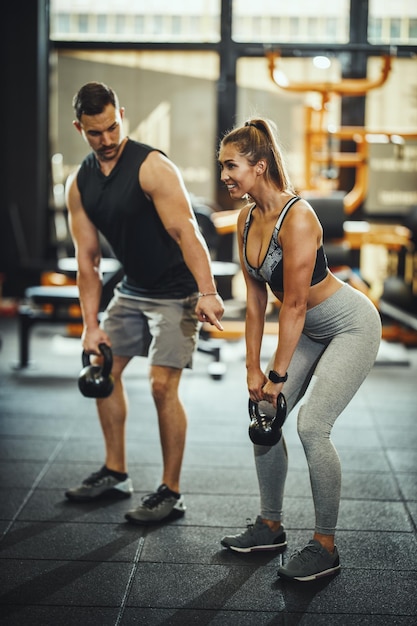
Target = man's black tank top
(118,207)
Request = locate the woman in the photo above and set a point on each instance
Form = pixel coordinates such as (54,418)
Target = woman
(329,335)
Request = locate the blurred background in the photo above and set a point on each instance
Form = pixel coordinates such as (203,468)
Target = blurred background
(339,80)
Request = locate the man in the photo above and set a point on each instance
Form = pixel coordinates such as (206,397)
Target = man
(134,195)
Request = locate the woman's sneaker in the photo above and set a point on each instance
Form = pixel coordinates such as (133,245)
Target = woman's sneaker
(101,484)
(162,505)
(310,563)
(256,537)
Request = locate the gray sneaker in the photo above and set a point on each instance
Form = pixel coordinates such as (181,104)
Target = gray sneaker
(162,505)
(310,563)
(255,538)
(100,484)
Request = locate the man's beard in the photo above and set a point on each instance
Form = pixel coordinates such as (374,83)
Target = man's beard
(108,154)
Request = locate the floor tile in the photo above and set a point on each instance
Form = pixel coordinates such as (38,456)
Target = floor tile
(82,563)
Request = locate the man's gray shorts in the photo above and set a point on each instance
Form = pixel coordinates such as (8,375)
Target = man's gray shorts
(164,330)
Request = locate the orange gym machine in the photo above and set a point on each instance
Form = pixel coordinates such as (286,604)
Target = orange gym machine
(318,137)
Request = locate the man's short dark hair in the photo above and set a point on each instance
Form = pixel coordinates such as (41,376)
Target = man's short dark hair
(92,99)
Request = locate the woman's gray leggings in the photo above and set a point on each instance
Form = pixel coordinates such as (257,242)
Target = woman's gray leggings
(335,353)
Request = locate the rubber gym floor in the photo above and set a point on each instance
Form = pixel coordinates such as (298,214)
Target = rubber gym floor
(82,564)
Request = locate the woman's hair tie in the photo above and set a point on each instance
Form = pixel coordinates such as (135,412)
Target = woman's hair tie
(252,124)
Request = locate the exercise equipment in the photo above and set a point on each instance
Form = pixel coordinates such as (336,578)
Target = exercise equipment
(96,381)
(263,429)
(319,137)
(53,304)
(223,272)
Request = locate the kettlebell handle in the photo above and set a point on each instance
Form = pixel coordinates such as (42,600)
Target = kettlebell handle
(108,359)
(264,430)
(280,412)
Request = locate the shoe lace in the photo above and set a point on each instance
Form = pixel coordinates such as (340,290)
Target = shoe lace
(304,555)
(95,477)
(250,526)
(152,500)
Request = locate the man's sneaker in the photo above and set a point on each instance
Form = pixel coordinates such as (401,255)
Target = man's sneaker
(99,485)
(256,537)
(162,505)
(310,563)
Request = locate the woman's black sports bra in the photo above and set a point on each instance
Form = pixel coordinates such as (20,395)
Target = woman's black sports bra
(271,268)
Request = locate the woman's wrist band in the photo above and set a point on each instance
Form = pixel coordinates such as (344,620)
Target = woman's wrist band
(277,378)
(211,293)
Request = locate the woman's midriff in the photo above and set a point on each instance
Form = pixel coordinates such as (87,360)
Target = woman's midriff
(320,292)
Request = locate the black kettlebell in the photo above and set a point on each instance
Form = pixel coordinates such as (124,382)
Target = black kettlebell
(265,430)
(96,381)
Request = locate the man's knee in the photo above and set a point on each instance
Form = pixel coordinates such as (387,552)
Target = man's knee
(164,382)
(119,365)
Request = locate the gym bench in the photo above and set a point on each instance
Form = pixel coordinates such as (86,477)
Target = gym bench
(45,304)
(56,305)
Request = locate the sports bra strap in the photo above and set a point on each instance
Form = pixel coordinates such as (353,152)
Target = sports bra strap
(281,215)
(285,211)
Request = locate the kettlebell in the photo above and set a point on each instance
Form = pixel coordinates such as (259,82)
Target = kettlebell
(96,381)
(265,430)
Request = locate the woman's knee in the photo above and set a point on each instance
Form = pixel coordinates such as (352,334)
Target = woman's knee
(308,435)
(312,428)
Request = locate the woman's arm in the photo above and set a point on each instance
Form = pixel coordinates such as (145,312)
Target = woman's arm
(256,303)
(299,238)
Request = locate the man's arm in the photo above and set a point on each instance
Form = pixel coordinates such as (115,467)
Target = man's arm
(161,180)
(88,255)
